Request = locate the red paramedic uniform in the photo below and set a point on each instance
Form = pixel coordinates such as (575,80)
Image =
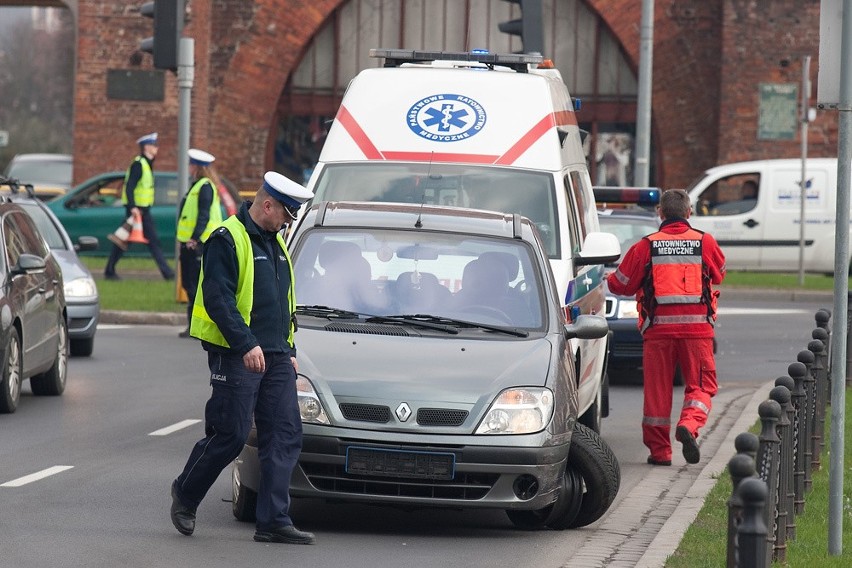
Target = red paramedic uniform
(672,272)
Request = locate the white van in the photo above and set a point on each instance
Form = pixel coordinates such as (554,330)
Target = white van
(754,210)
(482,131)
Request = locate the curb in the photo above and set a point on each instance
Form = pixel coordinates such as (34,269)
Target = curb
(150,318)
(757,294)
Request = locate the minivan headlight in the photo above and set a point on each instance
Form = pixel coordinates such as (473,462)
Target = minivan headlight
(310,407)
(520,410)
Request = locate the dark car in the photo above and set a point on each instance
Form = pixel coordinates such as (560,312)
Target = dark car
(33,329)
(94,208)
(435,369)
(81,292)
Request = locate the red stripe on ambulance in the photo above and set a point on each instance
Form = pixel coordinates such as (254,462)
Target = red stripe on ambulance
(358,135)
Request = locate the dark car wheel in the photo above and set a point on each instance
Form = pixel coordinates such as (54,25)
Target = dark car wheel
(52,381)
(82,347)
(598,466)
(559,513)
(10,383)
(245,500)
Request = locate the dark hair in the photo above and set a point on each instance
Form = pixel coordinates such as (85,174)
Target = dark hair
(674,203)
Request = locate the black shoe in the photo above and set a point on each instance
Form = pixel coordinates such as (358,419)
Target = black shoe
(183,518)
(287,534)
(691,453)
(652,461)
(170,276)
(184,333)
(111,276)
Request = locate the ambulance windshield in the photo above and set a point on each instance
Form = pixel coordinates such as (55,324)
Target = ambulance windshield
(495,189)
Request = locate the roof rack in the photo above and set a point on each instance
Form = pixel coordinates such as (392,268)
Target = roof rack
(517,61)
(15,186)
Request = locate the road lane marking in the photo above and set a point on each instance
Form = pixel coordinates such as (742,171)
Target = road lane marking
(174,427)
(37,475)
(759,311)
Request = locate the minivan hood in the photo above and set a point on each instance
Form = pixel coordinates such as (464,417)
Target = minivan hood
(436,369)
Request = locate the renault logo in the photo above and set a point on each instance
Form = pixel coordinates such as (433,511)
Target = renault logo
(403,412)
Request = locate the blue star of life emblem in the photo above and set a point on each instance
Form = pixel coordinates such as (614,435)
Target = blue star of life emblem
(446,117)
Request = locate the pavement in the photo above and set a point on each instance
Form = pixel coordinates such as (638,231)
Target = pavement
(646,525)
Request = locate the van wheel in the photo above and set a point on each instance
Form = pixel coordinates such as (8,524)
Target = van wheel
(598,466)
(560,513)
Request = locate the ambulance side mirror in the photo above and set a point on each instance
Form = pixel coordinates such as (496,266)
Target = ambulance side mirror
(598,248)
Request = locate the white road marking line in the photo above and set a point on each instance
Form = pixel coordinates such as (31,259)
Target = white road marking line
(37,475)
(174,427)
(759,311)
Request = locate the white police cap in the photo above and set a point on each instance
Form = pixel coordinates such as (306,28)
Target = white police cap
(148,139)
(285,190)
(200,157)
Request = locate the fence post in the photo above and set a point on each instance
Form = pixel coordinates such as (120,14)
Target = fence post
(740,467)
(751,534)
(788,463)
(767,464)
(817,347)
(747,443)
(781,395)
(797,372)
(820,334)
(807,358)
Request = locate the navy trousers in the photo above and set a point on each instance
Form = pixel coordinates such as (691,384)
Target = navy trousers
(237,395)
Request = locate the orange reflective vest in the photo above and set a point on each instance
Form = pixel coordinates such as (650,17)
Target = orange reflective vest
(677,276)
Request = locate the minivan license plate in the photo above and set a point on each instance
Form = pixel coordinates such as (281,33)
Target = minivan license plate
(398,463)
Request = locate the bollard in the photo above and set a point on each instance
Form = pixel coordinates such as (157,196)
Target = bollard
(823,318)
(797,372)
(781,395)
(822,335)
(767,464)
(817,347)
(751,534)
(747,443)
(788,463)
(741,466)
(807,358)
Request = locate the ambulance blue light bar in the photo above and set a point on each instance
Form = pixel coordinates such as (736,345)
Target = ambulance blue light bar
(634,195)
(516,61)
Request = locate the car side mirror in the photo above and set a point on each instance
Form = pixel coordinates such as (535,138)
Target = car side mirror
(587,327)
(28,263)
(85,243)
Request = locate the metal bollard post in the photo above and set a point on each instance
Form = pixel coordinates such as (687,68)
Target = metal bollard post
(797,372)
(788,448)
(823,319)
(741,466)
(767,464)
(817,347)
(781,395)
(807,358)
(751,534)
(820,334)
(747,443)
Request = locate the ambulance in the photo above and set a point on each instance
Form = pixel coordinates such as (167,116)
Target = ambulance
(484,131)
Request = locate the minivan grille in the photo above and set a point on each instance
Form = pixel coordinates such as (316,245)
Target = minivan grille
(365,412)
(441,417)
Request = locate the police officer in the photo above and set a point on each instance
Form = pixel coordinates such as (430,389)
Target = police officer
(200,213)
(137,195)
(672,273)
(244,317)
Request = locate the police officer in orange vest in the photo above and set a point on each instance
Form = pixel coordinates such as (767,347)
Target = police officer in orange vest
(672,273)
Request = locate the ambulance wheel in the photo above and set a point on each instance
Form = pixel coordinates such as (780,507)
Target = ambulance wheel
(558,513)
(596,463)
(245,500)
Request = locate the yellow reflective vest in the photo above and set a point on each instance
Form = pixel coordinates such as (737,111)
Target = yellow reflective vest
(201,325)
(189,213)
(143,193)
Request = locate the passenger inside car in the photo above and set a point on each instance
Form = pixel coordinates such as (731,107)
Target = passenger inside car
(346,282)
(420,293)
(486,289)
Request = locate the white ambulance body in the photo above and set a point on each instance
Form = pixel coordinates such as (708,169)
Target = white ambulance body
(479,131)
(753,209)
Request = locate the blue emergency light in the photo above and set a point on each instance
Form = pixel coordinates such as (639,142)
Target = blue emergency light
(645,196)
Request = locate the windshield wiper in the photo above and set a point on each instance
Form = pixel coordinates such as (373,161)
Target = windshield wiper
(337,313)
(326,312)
(424,318)
(413,320)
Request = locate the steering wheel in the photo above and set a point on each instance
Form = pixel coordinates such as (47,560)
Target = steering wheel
(489,311)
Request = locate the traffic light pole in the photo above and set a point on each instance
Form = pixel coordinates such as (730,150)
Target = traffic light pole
(186,77)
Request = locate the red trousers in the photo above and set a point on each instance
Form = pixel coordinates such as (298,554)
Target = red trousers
(698,367)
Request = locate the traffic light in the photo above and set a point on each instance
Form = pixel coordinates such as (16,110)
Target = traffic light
(168,27)
(528,27)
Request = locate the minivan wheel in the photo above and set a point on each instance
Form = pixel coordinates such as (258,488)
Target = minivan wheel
(52,381)
(245,500)
(10,382)
(601,474)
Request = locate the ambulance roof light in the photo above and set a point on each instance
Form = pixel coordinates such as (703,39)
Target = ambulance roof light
(638,195)
(517,61)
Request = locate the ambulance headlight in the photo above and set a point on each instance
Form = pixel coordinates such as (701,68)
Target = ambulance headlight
(310,406)
(627,309)
(521,410)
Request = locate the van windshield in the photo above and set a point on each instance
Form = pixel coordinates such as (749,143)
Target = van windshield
(495,189)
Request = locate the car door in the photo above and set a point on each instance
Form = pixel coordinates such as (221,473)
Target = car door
(36,290)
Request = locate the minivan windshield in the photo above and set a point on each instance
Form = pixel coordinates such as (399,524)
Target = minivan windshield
(506,190)
(386,272)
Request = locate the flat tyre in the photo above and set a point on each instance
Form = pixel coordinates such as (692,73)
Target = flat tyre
(595,461)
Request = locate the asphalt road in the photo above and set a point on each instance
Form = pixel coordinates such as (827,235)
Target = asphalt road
(104,454)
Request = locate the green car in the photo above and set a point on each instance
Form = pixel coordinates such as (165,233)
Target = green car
(94,208)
